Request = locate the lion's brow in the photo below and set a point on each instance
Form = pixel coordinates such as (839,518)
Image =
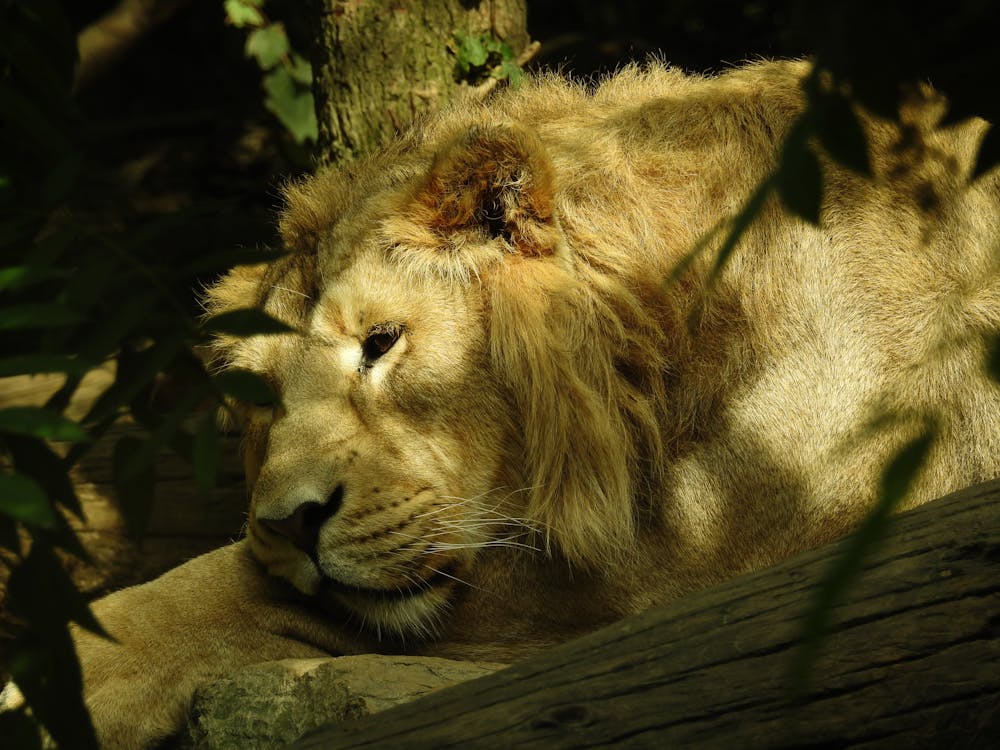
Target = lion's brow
(313,337)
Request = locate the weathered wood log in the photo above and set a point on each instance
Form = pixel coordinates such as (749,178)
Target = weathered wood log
(913,661)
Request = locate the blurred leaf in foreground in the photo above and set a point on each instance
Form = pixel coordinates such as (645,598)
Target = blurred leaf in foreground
(897,478)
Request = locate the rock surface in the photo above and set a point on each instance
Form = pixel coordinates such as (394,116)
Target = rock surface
(270,705)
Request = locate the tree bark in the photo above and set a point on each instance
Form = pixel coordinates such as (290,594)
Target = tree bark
(379,64)
(913,661)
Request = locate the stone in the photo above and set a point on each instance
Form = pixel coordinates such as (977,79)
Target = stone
(270,705)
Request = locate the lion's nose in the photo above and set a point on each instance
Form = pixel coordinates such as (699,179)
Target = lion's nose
(302,527)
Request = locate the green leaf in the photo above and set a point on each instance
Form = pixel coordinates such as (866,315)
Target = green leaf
(66,539)
(993,358)
(739,225)
(33,364)
(242,13)
(136,371)
(291,103)
(33,457)
(41,590)
(116,326)
(40,422)
(23,500)
(17,728)
(799,179)
(32,315)
(18,277)
(301,69)
(135,479)
(207,454)
(41,659)
(35,127)
(60,400)
(268,44)
(472,53)
(840,132)
(45,667)
(246,386)
(246,321)
(897,478)
(508,70)
(989,152)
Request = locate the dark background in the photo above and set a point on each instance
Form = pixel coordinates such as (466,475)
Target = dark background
(189,107)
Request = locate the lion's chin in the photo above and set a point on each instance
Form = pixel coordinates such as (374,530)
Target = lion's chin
(409,608)
(395,614)
(406,610)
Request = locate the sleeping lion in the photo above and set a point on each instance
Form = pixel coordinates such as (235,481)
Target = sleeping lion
(505,421)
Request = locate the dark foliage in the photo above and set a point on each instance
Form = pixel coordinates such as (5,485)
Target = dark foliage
(88,277)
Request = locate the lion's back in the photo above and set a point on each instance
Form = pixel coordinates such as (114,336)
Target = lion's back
(822,350)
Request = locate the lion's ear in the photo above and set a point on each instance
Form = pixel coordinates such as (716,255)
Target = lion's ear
(239,287)
(497,182)
(312,206)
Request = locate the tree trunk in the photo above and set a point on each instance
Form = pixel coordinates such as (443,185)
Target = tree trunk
(379,64)
(913,661)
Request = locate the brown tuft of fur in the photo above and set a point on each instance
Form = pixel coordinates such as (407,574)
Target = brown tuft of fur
(494,178)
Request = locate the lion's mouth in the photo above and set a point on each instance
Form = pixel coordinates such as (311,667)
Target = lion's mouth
(409,590)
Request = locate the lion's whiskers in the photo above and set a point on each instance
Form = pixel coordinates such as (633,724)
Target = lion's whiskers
(436,546)
(479,518)
(504,542)
(475,526)
(457,579)
(485,523)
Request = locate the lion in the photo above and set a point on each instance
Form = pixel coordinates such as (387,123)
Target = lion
(507,419)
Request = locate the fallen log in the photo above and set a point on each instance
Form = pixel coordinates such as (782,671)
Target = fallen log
(913,660)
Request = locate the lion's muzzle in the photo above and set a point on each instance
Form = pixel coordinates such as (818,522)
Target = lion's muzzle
(302,527)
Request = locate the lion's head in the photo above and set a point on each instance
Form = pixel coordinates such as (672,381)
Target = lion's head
(457,382)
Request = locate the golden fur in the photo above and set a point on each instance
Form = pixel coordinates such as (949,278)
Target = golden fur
(554,436)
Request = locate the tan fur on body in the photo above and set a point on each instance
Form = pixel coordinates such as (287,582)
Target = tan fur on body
(546,445)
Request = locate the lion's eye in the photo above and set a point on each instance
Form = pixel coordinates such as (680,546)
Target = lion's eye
(380,339)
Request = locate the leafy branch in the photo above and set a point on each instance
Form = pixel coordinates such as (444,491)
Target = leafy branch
(287,75)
